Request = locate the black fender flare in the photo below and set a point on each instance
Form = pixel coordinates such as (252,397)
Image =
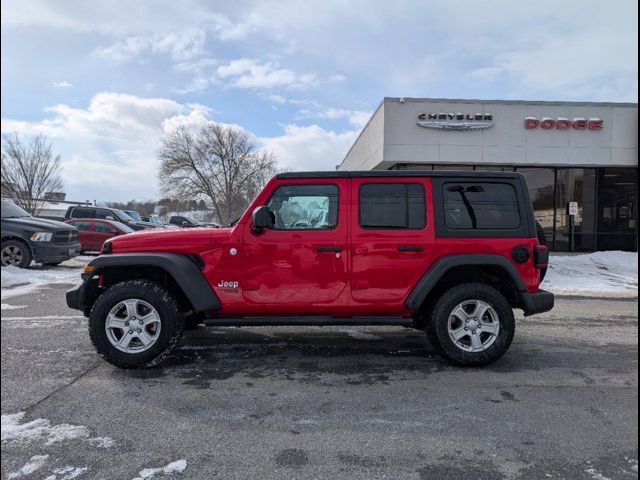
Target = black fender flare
(441,266)
(182,268)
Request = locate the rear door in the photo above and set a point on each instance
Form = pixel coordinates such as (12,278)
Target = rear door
(391,237)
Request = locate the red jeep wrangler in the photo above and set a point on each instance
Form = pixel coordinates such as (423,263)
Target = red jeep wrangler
(451,253)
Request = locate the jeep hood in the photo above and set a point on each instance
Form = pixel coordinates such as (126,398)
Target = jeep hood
(182,240)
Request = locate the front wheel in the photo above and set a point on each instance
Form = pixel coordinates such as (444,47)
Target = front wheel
(473,324)
(135,324)
(15,252)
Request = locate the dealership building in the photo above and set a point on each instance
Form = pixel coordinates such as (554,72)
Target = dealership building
(578,157)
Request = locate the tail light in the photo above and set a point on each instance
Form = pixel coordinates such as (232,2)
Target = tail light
(541,256)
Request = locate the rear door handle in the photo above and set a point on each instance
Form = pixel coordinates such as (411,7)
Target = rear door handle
(328,248)
(410,248)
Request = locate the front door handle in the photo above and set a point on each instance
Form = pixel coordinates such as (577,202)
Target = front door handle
(410,248)
(328,248)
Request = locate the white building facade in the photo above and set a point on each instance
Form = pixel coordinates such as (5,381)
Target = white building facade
(570,152)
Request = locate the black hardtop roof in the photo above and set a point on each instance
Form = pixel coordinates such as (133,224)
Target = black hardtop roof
(400,173)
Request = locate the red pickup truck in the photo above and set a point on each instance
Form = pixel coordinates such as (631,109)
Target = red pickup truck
(450,253)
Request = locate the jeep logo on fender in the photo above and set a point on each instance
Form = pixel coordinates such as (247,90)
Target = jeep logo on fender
(560,123)
(225,284)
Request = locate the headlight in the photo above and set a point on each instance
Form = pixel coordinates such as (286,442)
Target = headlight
(41,236)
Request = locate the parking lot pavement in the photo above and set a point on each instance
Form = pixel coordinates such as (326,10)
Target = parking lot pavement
(322,402)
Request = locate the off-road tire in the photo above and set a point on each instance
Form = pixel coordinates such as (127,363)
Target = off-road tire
(24,249)
(172,323)
(438,326)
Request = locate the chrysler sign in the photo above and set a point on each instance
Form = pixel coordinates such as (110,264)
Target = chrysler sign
(455,121)
(561,123)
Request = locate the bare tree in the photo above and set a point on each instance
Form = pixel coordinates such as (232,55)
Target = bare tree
(29,170)
(219,163)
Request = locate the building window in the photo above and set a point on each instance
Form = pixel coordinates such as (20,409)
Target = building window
(392,205)
(575,185)
(305,207)
(617,209)
(480,206)
(541,183)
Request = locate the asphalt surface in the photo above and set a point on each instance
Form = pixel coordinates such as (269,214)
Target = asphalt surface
(324,402)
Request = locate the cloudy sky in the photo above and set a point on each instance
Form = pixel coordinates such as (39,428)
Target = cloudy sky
(106,79)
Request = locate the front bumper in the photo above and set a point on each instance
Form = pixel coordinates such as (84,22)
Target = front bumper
(49,252)
(539,302)
(75,297)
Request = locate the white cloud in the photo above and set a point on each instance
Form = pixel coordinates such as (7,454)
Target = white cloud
(62,84)
(179,46)
(309,147)
(109,148)
(250,73)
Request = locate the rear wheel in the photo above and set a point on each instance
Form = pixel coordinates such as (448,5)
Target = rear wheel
(135,324)
(15,252)
(473,324)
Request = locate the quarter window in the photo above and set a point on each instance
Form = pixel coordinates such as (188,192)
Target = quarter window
(392,205)
(480,206)
(305,207)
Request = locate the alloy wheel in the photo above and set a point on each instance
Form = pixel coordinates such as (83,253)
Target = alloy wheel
(473,325)
(133,325)
(11,255)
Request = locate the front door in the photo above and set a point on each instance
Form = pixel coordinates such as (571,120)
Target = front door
(303,259)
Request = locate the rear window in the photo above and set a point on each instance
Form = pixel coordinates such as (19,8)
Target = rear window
(480,206)
(82,213)
(392,205)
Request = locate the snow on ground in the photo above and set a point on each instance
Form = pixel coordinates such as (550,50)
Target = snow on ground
(35,463)
(6,306)
(174,467)
(19,281)
(358,335)
(13,430)
(595,274)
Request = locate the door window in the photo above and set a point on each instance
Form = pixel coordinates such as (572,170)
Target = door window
(305,207)
(81,226)
(392,205)
(102,228)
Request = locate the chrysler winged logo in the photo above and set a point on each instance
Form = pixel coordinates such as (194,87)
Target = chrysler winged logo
(455,121)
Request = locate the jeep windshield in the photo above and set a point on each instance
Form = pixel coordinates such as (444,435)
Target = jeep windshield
(11,210)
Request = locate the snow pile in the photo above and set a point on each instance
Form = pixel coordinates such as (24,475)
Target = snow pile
(13,430)
(68,473)
(35,463)
(601,273)
(174,467)
(20,281)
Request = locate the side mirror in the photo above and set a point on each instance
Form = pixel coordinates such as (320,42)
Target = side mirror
(184,224)
(262,218)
